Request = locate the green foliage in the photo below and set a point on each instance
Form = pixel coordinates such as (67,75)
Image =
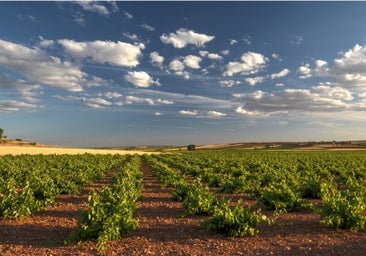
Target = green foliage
(281,198)
(199,200)
(30,183)
(110,214)
(343,209)
(234,222)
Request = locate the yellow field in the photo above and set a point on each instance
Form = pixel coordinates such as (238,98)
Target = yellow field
(18,150)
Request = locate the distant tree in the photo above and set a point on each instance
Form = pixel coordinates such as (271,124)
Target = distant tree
(191,147)
(1,133)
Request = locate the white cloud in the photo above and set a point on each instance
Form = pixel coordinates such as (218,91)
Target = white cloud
(113,53)
(97,102)
(282,73)
(334,92)
(93,6)
(188,112)
(212,113)
(251,63)
(134,99)
(225,52)
(128,15)
(147,27)
(158,114)
(254,80)
(276,56)
(305,71)
(350,70)
(164,102)
(112,95)
(140,79)
(322,98)
(43,43)
(178,67)
(229,83)
(92,102)
(243,111)
(41,68)
(233,41)
(182,37)
(132,37)
(27,91)
(321,68)
(212,56)
(156,59)
(192,61)
(12,105)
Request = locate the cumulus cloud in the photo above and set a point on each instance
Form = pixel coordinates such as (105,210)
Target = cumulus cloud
(212,56)
(111,95)
(12,105)
(93,6)
(132,37)
(334,92)
(41,68)
(182,37)
(229,83)
(192,61)
(251,63)
(44,43)
(305,71)
(148,100)
(233,41)
(350,70)
(225,52)
(254,80)
(27,91)
(282,73)
(96,102)
(322,98)
(243,111)
(188,112)
(114,53)
(178,67)
(156,59)
(212,113)
(140,79)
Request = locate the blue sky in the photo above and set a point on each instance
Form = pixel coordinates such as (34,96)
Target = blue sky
(176,73)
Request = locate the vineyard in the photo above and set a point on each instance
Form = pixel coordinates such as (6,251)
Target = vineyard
(187,203)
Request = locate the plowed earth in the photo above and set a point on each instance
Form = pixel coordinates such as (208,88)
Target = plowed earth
(163,232)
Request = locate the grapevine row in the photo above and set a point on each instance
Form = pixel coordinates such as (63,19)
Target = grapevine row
(286,181)
(29,183)
(110,214)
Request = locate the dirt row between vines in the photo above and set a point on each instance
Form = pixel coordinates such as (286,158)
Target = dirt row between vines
(162,231)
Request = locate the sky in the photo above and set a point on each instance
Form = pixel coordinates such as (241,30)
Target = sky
(93,74)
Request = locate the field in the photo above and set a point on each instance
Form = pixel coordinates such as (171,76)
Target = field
(218,202)
(18,150)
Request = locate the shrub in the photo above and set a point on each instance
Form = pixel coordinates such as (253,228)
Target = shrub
(235,222)
(345,209)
